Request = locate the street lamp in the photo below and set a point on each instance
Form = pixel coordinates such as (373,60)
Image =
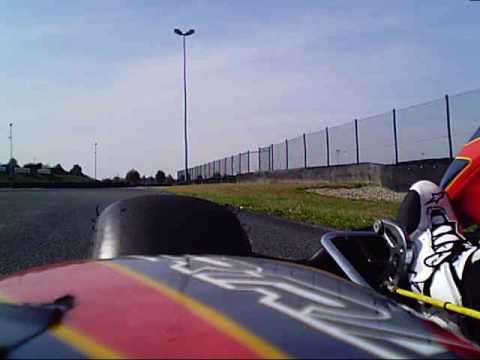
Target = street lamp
(184,35)
(11,141)
(95,159)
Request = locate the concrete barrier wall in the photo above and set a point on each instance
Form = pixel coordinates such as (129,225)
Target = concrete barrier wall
(396,177)
(400,177)
(364,173)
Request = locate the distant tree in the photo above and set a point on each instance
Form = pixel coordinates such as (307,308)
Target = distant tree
(13,162)
(59,170)
(133,177)
(76,170)
(169,180)
(33,166)
(160,177)
(11,165)
(146,180)
(117,179)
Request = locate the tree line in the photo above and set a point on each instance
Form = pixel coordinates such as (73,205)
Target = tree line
(56,170)
(133,177)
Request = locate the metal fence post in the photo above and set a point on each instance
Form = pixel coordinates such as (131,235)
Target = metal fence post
(271,157)
(328,146)
(286,153)
(233,171)
(259,160)
(304,151)
(248,161)
(395,139)
(356,141)
(449,127)
(240,163)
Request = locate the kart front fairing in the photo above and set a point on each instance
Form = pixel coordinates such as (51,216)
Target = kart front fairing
(221,306)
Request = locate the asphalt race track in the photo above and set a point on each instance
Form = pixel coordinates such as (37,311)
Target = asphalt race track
(44,226)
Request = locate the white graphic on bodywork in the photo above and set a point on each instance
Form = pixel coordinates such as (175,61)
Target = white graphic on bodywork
(360,323)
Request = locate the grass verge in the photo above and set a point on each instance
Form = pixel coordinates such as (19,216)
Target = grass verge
(44,179)
(290,200)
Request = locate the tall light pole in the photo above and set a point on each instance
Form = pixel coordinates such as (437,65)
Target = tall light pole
(95,160)
(11,141)
(184,35)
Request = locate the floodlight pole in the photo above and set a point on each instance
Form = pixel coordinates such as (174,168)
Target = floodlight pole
(184,35)
(11,141)
(95,161)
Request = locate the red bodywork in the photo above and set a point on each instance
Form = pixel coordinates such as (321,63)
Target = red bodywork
(462,183)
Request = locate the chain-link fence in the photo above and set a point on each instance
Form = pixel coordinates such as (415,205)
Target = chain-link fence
(436,129)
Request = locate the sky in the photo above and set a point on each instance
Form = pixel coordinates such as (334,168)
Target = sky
(73,73)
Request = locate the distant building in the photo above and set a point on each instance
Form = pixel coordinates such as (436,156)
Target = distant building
(44,171)
(33,167)
(22,171)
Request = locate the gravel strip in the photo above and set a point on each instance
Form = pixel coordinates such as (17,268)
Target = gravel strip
(361,193)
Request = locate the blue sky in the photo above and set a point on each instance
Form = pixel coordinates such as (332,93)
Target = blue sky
(76,72)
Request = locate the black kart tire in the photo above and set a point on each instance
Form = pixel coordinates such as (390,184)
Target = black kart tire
(168,224)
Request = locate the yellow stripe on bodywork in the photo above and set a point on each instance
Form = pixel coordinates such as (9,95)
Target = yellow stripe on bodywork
(257,345)
(83,343)
(76,339)
(475,314)
(472,141)
(459,175)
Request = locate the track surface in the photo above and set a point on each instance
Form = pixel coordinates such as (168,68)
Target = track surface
(44,226)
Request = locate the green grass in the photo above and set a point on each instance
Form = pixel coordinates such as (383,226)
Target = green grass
(44,179)
(290,200)
(72,179)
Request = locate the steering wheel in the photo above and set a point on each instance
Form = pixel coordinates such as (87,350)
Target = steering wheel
(400,254)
